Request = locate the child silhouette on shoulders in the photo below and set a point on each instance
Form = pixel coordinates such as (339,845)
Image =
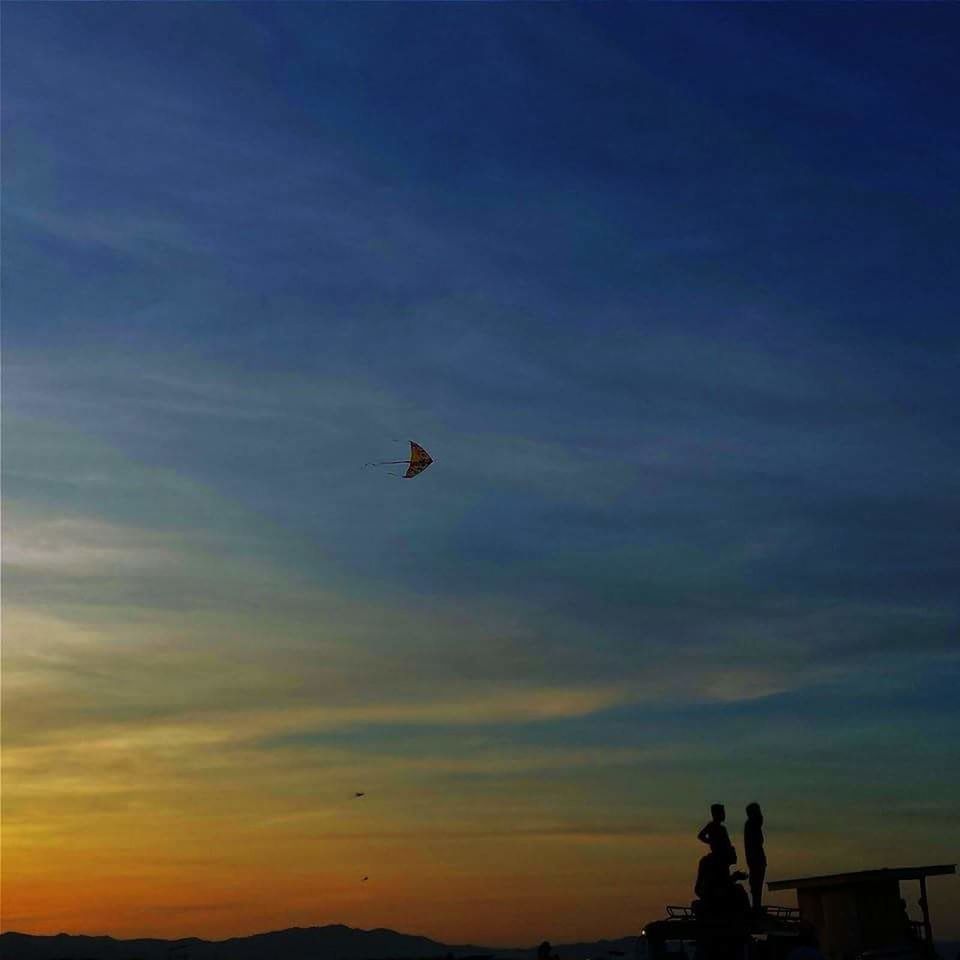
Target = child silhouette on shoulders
(715,835)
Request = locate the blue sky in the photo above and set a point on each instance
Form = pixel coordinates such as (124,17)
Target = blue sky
(669,293)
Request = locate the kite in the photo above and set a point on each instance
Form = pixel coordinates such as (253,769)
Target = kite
(418,462)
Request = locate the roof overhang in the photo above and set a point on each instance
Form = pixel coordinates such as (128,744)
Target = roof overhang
(863,876)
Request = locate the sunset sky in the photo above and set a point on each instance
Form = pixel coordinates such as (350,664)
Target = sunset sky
(669,292)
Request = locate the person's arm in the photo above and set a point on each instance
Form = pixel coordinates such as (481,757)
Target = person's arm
(704,835)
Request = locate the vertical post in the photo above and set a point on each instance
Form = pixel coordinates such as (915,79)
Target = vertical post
(925,907)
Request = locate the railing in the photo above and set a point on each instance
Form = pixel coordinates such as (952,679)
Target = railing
(782,913)
(774,912)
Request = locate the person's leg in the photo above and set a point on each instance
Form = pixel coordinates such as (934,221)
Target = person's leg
(757,873)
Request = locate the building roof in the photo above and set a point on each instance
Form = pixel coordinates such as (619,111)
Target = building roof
(862,876)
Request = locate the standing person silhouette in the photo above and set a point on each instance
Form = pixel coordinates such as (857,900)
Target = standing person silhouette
(715,835)
(753,850)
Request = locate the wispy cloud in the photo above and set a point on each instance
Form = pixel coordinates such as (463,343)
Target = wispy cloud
(685,532)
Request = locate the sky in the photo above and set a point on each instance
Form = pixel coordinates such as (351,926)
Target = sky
(669,293)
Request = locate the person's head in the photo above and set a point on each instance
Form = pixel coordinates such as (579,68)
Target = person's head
(718,812)
(754,812)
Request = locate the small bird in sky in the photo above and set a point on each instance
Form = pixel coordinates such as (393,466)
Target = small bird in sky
(359,793)
(365,879)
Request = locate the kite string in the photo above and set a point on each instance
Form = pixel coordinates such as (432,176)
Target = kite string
(390,473)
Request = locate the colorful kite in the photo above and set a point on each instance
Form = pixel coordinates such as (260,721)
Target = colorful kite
(418,462)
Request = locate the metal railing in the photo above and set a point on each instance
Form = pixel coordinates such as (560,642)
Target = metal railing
(675,912)
(782,913)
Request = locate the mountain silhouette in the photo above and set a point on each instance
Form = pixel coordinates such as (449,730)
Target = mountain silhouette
(335,942)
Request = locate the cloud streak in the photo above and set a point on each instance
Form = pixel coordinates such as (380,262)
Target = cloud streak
(687,535)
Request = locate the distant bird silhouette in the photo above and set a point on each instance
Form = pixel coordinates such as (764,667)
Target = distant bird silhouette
(359,793)
(365,879)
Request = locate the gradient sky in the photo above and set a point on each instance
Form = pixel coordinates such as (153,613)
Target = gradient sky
(669,293)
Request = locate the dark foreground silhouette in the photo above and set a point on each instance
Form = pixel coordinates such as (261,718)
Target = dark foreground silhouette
(754,852)
(854,915)
(719,894)
(299,943)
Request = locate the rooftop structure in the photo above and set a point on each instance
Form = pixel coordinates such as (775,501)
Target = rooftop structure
(856,912)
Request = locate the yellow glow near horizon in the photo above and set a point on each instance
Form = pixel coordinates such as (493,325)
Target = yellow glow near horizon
(176,769)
